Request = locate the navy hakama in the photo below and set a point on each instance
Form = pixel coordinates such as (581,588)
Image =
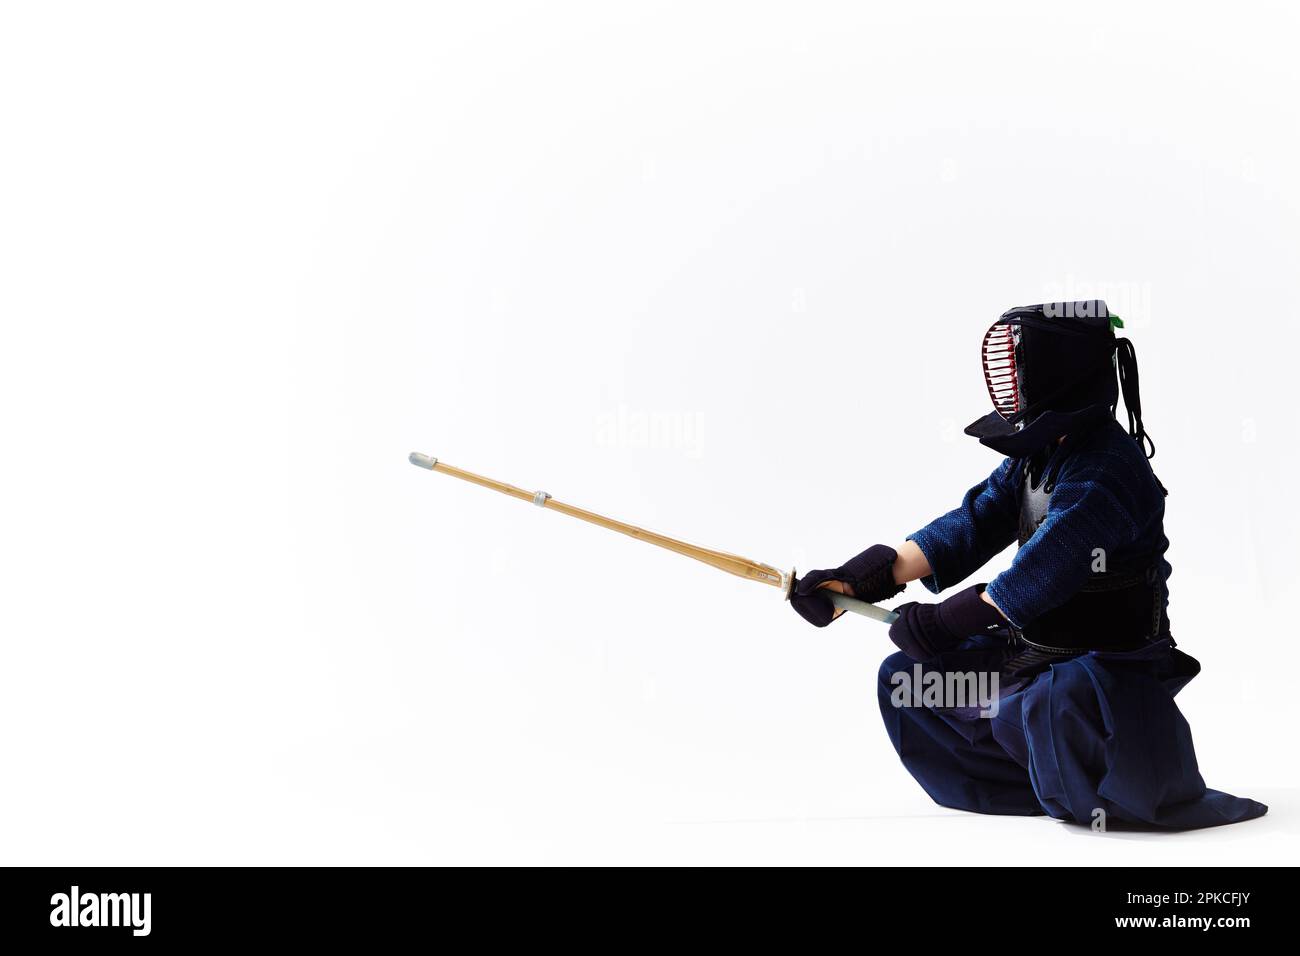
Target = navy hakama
(1095,732)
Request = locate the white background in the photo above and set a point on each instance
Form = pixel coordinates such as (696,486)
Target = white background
(717,269)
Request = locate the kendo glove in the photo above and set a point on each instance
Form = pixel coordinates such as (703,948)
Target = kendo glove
(923,631)
(870,577)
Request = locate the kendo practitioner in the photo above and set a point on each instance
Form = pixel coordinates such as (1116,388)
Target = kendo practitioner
(1076,629)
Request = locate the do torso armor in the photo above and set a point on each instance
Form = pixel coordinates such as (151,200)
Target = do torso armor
(1114,610)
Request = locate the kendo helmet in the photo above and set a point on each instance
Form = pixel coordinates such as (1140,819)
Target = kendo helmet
(1053,369)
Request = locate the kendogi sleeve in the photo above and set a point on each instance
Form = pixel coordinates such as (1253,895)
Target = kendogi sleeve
(1093,512)
(962,541)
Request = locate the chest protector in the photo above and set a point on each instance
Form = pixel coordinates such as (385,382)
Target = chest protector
(1114,610)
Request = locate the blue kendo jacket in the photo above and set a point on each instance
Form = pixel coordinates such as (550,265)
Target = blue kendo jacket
(1106,497)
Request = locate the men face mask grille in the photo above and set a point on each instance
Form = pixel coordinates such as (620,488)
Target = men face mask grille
(1001,370)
